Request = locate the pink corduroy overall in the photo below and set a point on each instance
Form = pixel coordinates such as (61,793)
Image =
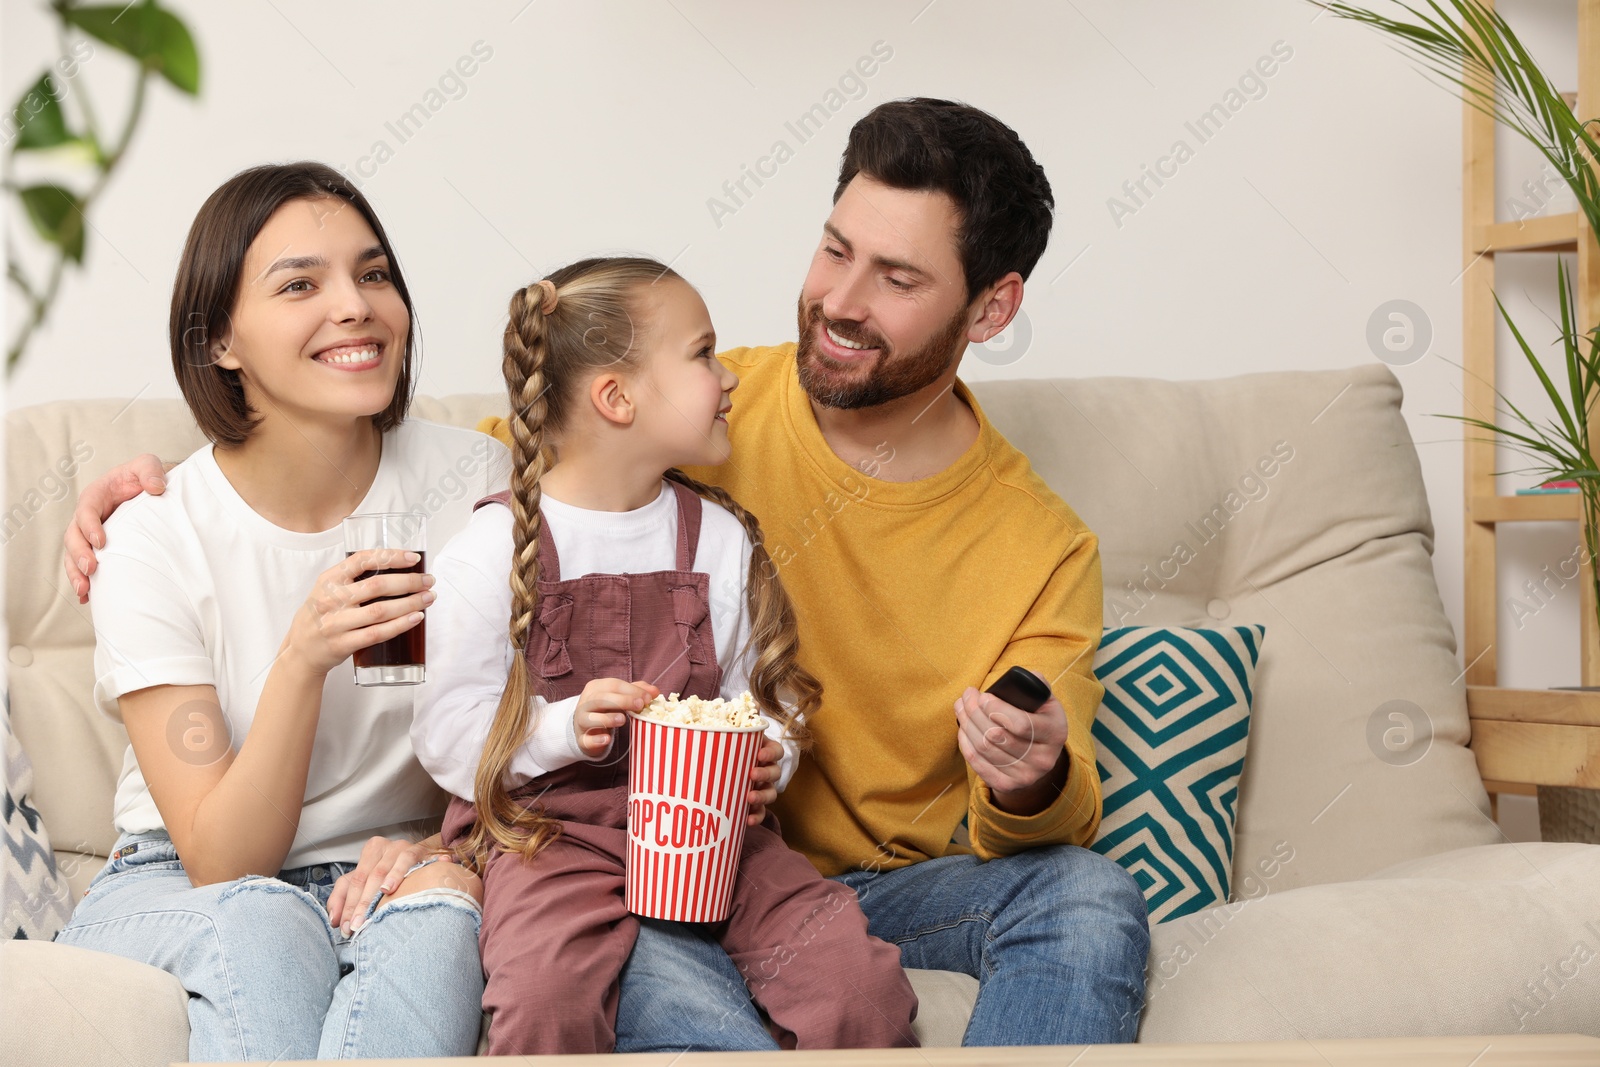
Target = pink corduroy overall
(555,933)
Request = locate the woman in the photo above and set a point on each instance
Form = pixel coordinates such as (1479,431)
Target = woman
(267,805)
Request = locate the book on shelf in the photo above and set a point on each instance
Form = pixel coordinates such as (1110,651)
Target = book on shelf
(1548,488)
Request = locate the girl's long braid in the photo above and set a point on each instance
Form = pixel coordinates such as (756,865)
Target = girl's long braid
(503,823)
(774,632)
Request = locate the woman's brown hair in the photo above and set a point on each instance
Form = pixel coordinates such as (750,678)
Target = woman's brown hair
(207,290)
(548,356)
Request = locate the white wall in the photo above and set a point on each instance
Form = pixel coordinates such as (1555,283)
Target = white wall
(608,126)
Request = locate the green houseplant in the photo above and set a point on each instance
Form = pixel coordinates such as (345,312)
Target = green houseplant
(1471,47)
(38,126)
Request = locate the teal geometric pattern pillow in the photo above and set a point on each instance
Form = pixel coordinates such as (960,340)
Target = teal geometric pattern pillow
(1170,738)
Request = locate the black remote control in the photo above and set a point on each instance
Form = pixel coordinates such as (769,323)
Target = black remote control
(1021,689)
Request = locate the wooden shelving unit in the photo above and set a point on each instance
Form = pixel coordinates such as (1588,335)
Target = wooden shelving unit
(1526,738)
(1492,509)
(1523,738)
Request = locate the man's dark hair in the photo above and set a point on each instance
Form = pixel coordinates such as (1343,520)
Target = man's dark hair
(972,157)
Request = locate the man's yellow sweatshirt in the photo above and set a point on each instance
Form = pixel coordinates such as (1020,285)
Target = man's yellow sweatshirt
(907,593)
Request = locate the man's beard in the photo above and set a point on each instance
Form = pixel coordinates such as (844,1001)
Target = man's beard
(889,378)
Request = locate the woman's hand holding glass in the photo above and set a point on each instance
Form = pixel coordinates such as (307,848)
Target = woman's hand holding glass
(343,613)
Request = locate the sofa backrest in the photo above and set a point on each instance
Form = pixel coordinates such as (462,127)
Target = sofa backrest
(1292,499)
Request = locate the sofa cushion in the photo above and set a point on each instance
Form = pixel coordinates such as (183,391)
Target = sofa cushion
(68,1006)
(53,451)
(35,900)
(1170,738)
(1487,940)
(1293,499)
(77,870)
(48,984)
(944,1004)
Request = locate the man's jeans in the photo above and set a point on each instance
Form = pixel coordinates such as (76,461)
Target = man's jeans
(270,979)
(1057,938)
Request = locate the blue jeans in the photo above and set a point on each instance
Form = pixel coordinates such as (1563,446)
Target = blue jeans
(270,979)
(1057,938)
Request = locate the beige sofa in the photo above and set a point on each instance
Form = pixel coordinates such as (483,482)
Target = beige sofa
(1374,895)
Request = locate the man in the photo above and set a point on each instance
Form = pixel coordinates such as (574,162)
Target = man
(924,558)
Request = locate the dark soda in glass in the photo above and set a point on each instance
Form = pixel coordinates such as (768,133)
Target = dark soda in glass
(400,660)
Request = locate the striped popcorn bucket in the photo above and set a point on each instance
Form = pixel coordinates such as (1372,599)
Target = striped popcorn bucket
(687,790)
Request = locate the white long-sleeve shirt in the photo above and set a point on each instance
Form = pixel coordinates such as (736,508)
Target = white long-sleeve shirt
(469,647)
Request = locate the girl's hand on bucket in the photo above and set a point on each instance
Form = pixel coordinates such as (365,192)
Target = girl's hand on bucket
(601,710)
(764,780)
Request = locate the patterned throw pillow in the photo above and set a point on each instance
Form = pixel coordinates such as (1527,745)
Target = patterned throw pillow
(1170,736)
(34,900)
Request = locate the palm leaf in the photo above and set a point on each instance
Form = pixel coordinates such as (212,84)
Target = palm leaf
(1477,52)
(1570,422)
(1471,47)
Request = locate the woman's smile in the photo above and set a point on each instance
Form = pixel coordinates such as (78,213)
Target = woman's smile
(358,354)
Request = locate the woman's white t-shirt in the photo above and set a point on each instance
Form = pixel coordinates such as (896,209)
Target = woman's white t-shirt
(195,588)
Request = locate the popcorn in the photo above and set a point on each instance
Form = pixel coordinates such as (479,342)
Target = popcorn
(739,713)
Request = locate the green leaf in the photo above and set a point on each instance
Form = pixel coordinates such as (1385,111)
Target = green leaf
(119,27)
(1470,46)
(151,34)
(1556,399)
(180,61)
(38,114)
(57,215)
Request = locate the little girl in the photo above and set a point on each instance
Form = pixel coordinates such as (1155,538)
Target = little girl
(617,571)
